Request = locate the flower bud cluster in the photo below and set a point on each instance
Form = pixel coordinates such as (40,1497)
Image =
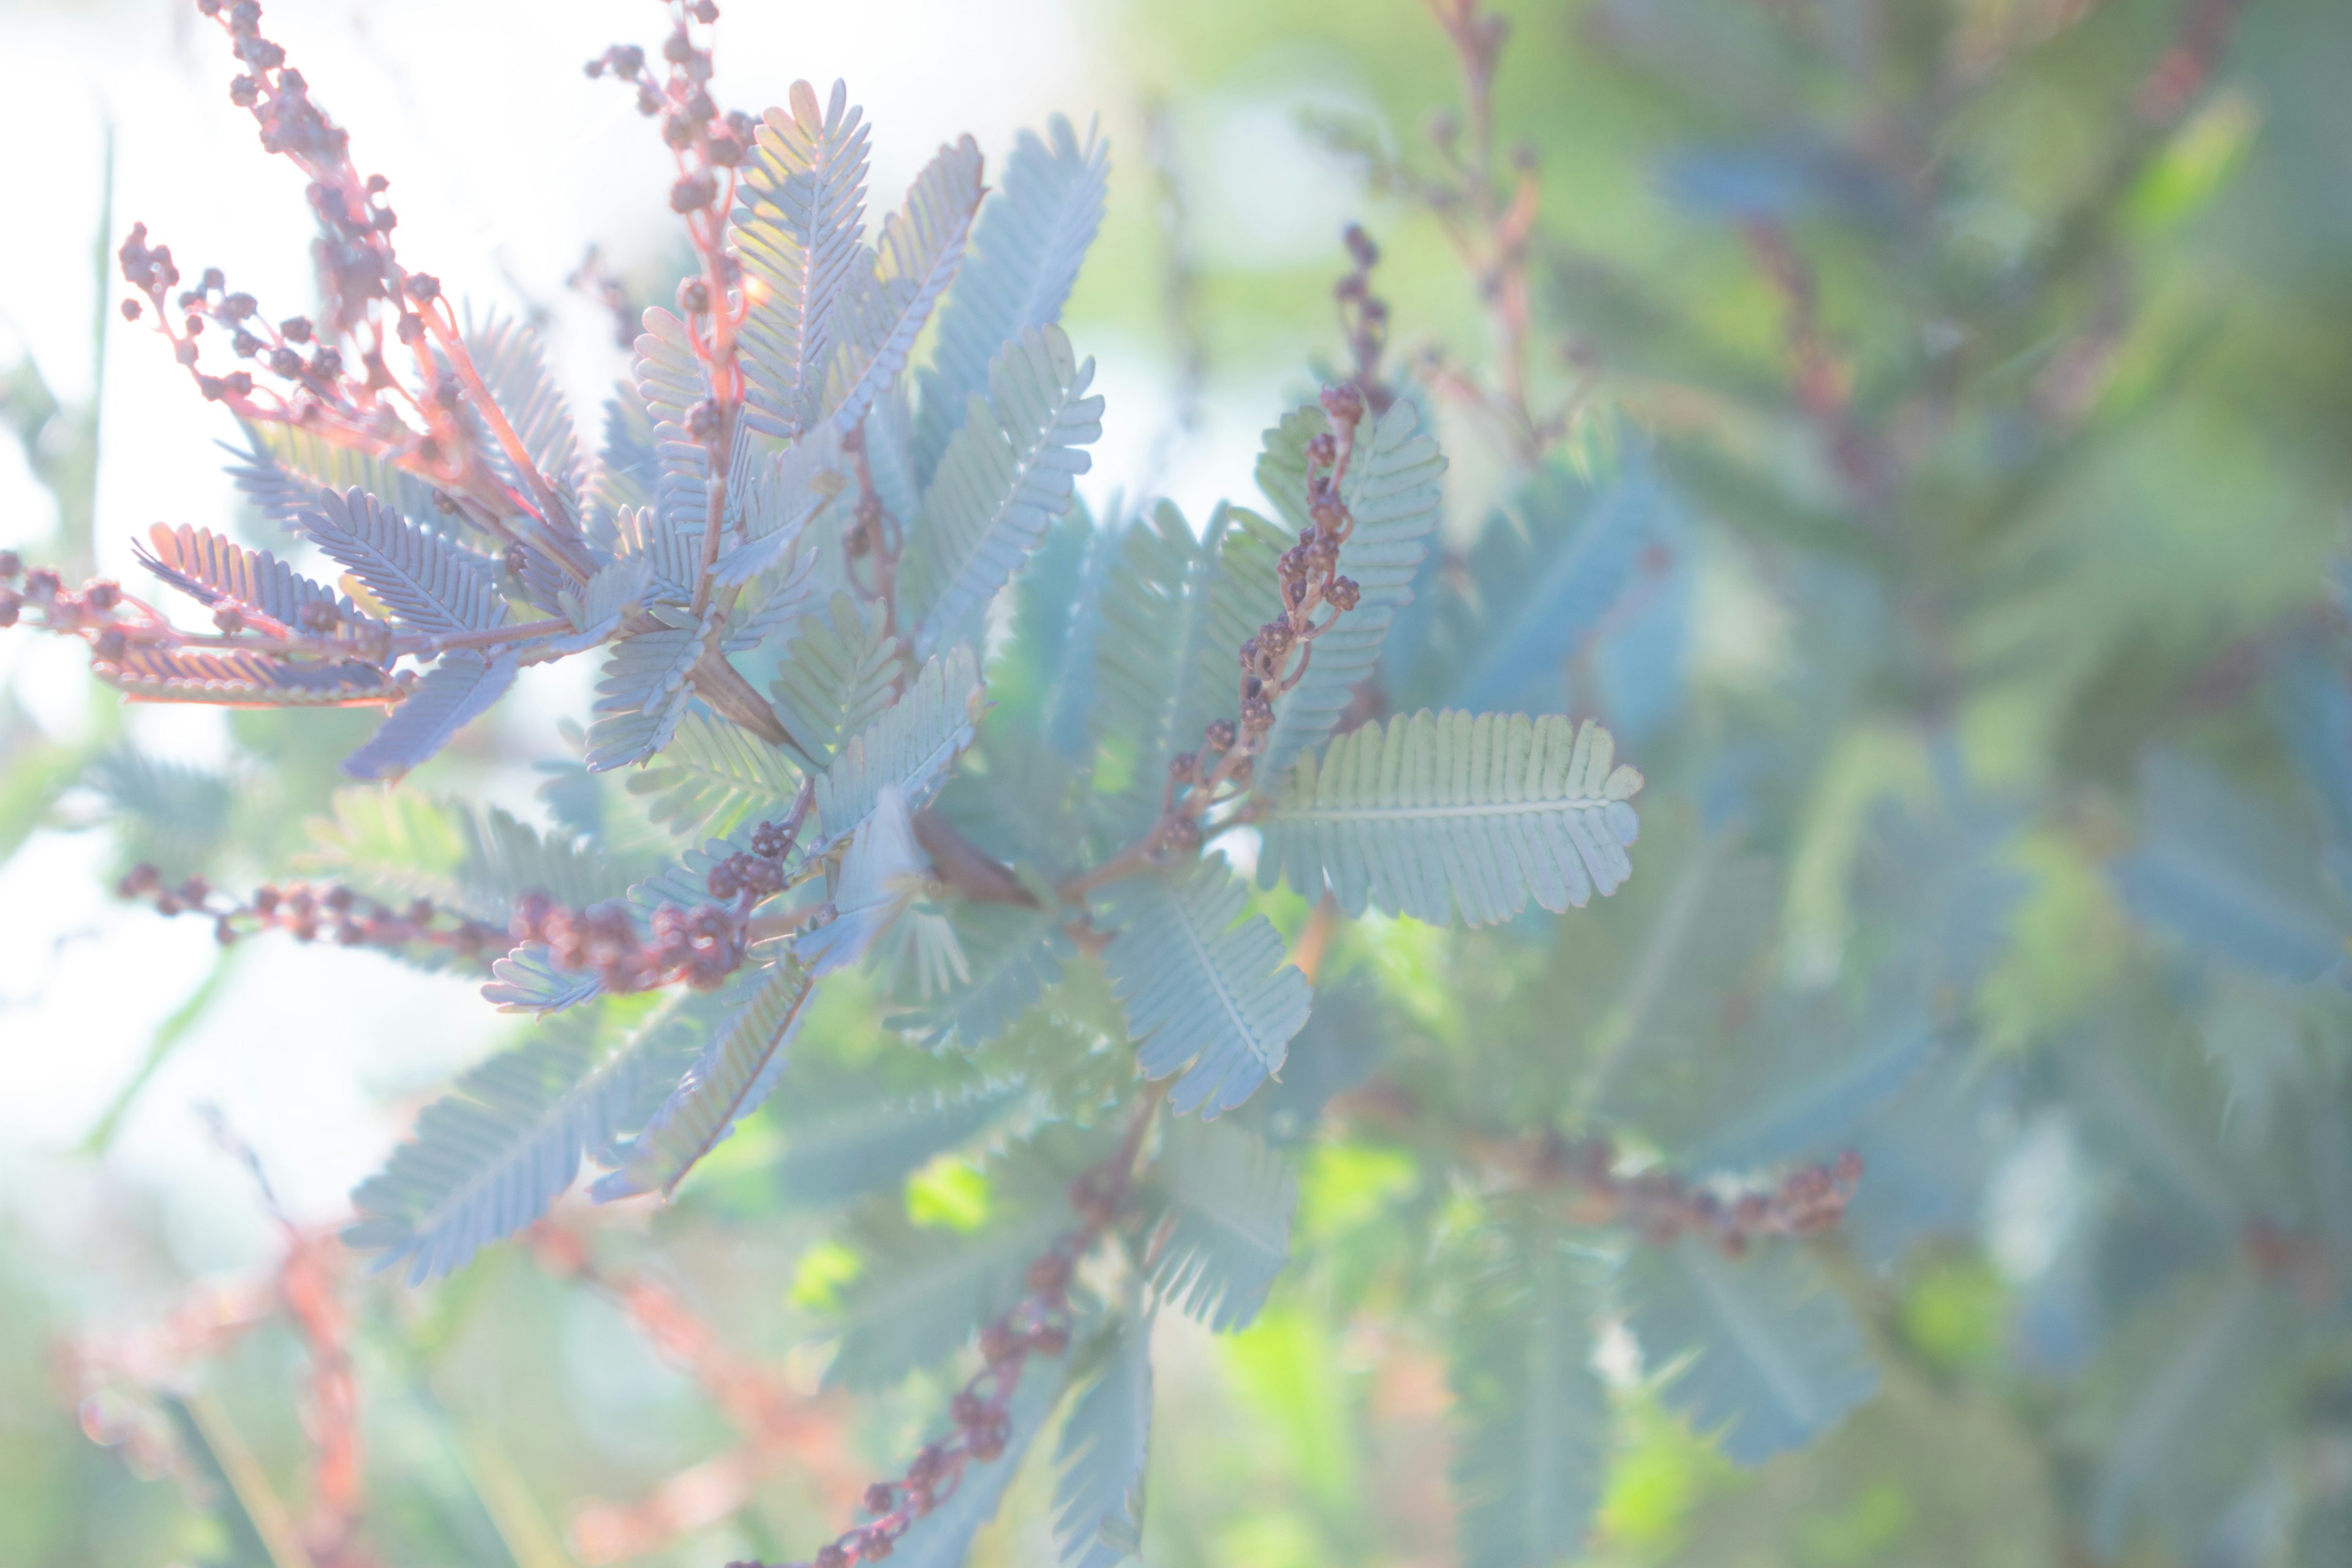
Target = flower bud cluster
(706,140)
(701,946)
(1364,319)
(308,913)
(88,612)
(1661,1205)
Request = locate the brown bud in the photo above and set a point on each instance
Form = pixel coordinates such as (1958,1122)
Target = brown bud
(881,1498)
(1050,1275)
(1344,403)
(1180,836)
(1220,734)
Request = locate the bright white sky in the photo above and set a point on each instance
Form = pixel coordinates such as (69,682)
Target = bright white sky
(504,160)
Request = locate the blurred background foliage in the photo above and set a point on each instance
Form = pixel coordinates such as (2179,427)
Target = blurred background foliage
(1962,388)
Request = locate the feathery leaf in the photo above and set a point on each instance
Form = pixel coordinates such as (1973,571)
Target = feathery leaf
(245,679)
(798,229)
(643,692)
(1531,1445)
(1775,1358)
(1024,256)
(910,745)
(839,675)
(459,688)
(733,1074)
(486,1159)
(849,1146)
(714,777)
(1196,987)
(212,570)
(1440,810)
(1106,1439)
(1220,1201)
(427,580)
(1174,611)
(882,312)
(1006,476)
(923,1293)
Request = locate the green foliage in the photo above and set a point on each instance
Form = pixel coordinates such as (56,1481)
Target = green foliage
(1201,986)
(1004,478)
(737,1068)
(1099,1497)
(487,1160)
(1446,810)
(1863,400)
(1534,1416)
(1221,1202)
(838,676)
(1774,1357)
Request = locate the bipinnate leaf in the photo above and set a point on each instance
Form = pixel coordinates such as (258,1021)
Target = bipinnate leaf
(245,679)
(1805,1094)
(1774,1359)
(714,777)
(285,468)
(507,355)
(1543,582)
(427,580)
(459,688)
(2213,869)
(1220,1201)
(775,504)
(398,845)
(1531,1423)
(486,1159)
(780,598)
(1105,1440)
(1445,810)
(215,571)
(596,608)
(798,227)
(529,980)
(643,694)
(911,745)
(1393,491)
(1024,258)
(733,1074)
(1006,476)
(881,314)
(839,674)
(1197,987)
